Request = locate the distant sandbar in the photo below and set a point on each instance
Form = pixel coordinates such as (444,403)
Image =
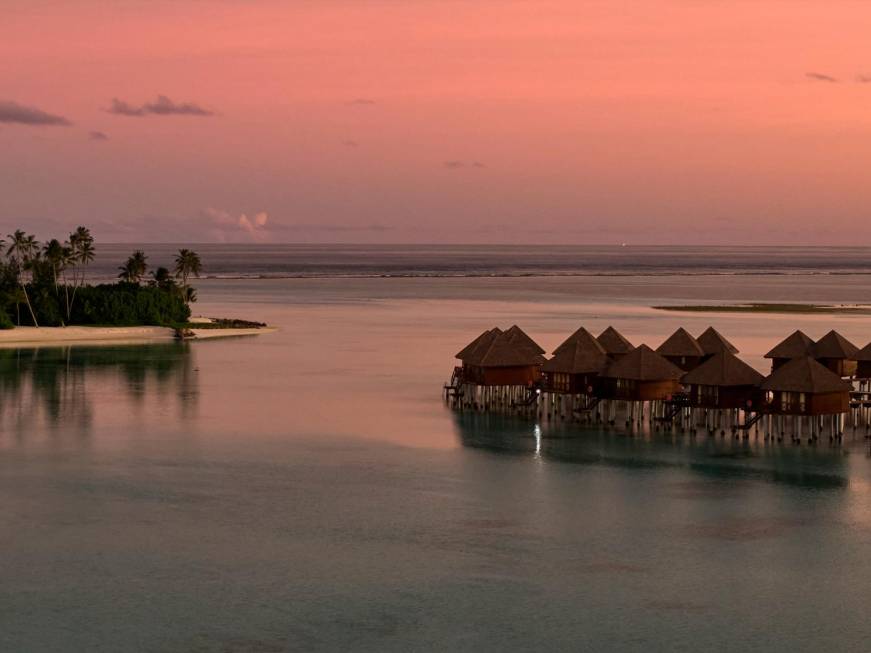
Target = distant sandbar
(849,309)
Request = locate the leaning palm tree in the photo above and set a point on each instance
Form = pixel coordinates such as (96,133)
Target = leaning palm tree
(134,268)
(187,264)
(21,252)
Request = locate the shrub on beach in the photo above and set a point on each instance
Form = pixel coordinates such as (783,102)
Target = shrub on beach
(6,321)
(125,304)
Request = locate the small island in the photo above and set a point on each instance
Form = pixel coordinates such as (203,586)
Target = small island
(45,297)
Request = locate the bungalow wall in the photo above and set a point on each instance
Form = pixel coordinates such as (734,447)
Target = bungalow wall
(712,396)
(803,403)
(524,375)
(632,390)
(839,366)
(577,384)
(863,370)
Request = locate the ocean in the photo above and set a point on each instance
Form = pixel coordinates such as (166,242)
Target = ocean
(309,490)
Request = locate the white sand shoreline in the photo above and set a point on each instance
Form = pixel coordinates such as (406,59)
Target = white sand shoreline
(27,336)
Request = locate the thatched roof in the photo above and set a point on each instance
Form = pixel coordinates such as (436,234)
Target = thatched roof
(643,364)
(805,375)
(485,337)
(583,356)
(834,345)
(580,334)
(864,354)
(713,342)
(500,351)
(793,346)
(725,370)
(614,342)
(517,336)
(680,343)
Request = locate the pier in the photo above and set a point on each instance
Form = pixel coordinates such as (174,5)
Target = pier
(815,389)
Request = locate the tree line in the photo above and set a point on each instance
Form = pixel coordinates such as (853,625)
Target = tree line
(44,284)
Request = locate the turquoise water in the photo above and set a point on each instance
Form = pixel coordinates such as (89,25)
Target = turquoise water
(308,490)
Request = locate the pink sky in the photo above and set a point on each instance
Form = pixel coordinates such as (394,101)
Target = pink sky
(656,121)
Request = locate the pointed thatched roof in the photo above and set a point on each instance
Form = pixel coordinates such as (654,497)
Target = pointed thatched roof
(502,352)
(725,370)
(614,342)
(793,346)
(583,356)
(643,364)
(484,338)
(517,336)
(581,334)
(805,375)
(864,354)
(834,345)
(680,343)
(713,342)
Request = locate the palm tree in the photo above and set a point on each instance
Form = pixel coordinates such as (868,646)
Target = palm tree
(187,264)
(82,246)
(161,278)
(55,254)
(135,268)
(22,250)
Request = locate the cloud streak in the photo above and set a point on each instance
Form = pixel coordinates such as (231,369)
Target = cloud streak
(12,112)
(162,106)
(457,164)
(821,77)
(98,136)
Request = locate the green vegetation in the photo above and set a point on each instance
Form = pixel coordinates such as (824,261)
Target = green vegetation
(45,286)
(770,308)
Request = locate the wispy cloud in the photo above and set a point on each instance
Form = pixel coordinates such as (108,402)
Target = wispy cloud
(350,143)
(863,79)
(821,77)
(98,136)
(457,164)
(12,112)
(360,102)
(162,106)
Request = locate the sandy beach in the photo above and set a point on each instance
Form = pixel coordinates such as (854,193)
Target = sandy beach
(27,336)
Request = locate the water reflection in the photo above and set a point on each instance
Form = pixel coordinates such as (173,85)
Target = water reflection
(713,457)
(58,387)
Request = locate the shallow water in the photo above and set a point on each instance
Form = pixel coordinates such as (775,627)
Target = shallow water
(308,490)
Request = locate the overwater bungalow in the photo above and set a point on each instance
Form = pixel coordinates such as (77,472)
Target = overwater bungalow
(837,353)
(796,345)
(713,342)
(803,386)
(616,346)
(723,381)
(681,349)
(863,363)
(467,351)
(640,375)
(576,365)
(500,358)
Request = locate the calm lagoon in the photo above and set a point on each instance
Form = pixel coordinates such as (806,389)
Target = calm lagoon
(308,489)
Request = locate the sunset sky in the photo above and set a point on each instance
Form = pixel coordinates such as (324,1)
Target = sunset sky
(504,121)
